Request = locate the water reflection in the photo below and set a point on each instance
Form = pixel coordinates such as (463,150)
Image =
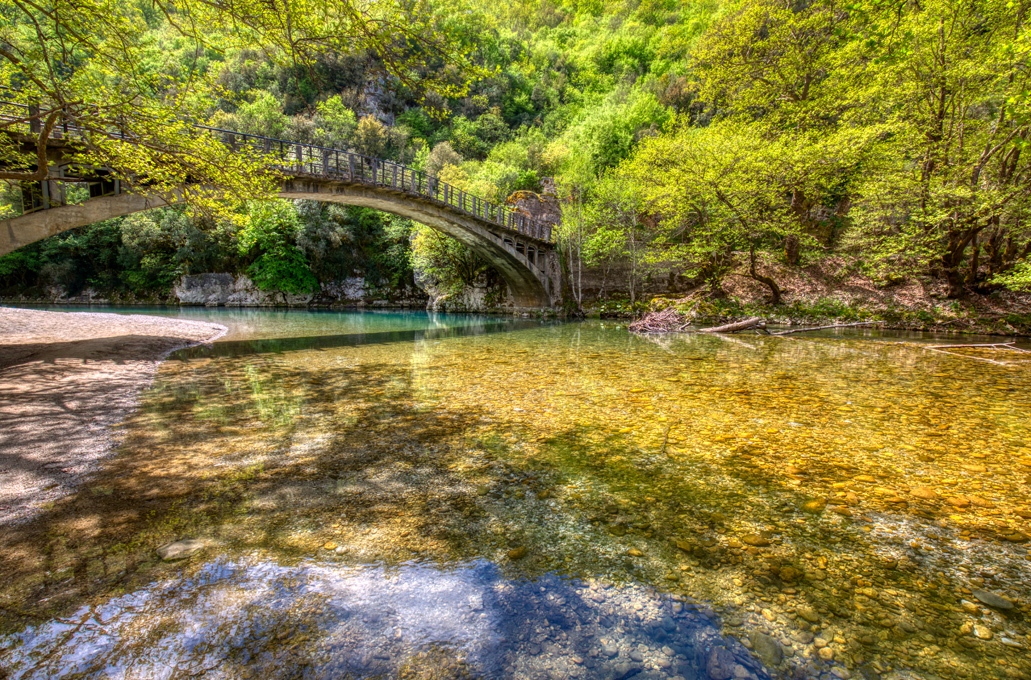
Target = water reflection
(235,348)
(256,618)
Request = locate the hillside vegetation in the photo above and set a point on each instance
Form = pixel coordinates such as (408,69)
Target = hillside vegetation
(711,139)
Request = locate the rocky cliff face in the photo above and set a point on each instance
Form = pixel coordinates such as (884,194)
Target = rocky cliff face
(481,298)
(233,290)
(228,290)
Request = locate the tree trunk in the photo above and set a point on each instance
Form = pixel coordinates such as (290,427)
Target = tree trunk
(770,283)
(792,250)
(952,259)
(956,283)
(975,263)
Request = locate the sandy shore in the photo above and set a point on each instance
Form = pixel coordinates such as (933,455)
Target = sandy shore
(65,379)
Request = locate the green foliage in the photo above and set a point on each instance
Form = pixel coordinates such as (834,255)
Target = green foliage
(263,116)
(1018,278)
(475,138)
(269,233)
(449,264)
(442,155)
(335,123)
(703,135)
(606,134)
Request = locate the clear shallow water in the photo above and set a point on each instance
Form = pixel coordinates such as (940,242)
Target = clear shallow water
(256,618)
(845,495)
(246,324)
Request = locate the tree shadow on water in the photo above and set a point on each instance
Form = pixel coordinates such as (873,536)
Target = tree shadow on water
(347,465)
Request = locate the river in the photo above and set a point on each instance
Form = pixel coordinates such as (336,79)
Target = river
(399,494)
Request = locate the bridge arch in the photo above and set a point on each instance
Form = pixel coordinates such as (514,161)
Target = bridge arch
(528,266)
(520,248)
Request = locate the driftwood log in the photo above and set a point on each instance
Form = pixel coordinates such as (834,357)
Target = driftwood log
(756,322)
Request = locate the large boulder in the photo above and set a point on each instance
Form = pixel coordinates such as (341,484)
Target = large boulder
(204,289)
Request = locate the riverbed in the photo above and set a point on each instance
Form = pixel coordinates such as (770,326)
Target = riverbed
(412,495)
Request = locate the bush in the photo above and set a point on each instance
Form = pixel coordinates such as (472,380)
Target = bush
(271,230)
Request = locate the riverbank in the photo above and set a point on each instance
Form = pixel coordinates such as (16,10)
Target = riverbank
(65,380)
(833,290)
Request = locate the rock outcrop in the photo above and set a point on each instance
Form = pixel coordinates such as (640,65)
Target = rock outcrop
(229,290)
(543,207)
(218,290)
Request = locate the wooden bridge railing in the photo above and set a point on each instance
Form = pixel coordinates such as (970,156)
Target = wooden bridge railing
(296,158)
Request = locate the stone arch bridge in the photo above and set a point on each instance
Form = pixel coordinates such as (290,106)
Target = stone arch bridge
(521,249)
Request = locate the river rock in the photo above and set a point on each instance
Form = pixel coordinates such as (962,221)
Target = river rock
(803,636)
(517,553)
(178,550)
(766,648)
(720,664)
(617,671)
(809,614)
(969,607)
(790,574)
(924,492)
(815,505)
(755,540)
(983,632)
(992,599)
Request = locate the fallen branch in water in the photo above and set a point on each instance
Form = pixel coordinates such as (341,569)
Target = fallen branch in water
(665,439)
(941,349)
(821,328)
(1003,346)
(749,323)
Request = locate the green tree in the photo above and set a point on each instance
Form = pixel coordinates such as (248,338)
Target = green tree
(448,263)
(269,236)
(778,59)
(733,187)
(953,179)
(441,156)
(96,65)
(335,124)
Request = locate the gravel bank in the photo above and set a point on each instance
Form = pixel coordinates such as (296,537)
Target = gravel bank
(65,379)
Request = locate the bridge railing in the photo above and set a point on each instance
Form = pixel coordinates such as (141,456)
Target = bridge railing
(310,159)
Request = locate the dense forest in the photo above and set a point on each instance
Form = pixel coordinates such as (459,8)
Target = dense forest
(710,139)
